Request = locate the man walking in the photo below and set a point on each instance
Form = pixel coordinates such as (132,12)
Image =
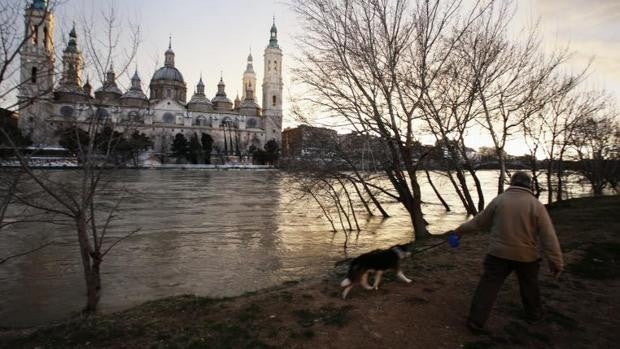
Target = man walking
(520,229)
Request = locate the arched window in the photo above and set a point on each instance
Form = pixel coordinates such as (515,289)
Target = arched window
(35,34)
(251,123)
(101,113)
(273,102)
(200,121)
(45,36)
(66,111)
(33,75)
(134,116)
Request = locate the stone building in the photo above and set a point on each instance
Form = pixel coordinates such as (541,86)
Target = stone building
(47,105)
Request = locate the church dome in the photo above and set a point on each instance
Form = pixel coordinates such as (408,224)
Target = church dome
(168,73)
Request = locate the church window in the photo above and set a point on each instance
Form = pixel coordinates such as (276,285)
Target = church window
(66,111)
(251,123)
(101,113)
(273,102)
(33,75)
(168,93)
(169,118)
(45,37)
(35,34)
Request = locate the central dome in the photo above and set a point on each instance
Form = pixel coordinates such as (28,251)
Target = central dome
(168,73)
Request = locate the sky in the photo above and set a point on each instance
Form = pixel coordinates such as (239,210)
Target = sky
(214,37)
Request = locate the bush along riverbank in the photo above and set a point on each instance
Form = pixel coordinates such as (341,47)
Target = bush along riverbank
(581,306)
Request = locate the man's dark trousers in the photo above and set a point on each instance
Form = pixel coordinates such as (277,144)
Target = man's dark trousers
(495,272)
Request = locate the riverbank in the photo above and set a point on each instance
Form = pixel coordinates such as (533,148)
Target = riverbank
(582,306)
(62,163)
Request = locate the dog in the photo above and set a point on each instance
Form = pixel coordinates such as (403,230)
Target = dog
(377,261)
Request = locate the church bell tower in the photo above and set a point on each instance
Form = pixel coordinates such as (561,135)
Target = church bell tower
(272,88)
(36,70)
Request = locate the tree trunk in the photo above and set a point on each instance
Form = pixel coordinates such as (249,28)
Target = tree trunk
(93,287)
(458,191)
(471,207)
(474,176)
(559,191)
(430,181)
(415,211)
(502,172)
(91,271)
(549,184)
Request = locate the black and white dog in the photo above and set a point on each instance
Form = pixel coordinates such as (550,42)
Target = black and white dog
(377,261)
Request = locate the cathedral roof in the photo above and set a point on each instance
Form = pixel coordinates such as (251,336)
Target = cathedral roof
(135,92)
(39,4)
(72,44)
(220,96)
(110,84)
(199,101)
(168,73)
(273,40)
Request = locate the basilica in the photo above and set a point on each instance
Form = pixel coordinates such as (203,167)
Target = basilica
(234,126)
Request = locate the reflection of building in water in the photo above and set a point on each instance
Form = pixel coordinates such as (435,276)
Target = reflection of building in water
(234,126)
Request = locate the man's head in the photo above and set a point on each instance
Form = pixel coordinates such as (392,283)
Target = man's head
(521,179)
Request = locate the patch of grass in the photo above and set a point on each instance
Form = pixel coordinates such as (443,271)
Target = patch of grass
(601,261)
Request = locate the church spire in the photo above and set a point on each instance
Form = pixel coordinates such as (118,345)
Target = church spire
(273,40)
(169,61)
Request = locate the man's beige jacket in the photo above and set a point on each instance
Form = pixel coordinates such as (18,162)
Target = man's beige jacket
(520,228)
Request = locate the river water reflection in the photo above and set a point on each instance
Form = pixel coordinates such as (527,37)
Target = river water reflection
(210,233)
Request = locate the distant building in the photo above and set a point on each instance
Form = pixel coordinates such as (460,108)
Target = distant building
(48,105)
(8,118)
(308,141)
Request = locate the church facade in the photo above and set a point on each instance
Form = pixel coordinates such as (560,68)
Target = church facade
(234,126)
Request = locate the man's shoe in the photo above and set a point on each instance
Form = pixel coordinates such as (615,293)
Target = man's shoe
(476,329)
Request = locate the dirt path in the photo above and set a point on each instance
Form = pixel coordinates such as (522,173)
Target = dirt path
(582,306)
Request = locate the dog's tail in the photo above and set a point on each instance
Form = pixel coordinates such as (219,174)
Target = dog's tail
(346,282)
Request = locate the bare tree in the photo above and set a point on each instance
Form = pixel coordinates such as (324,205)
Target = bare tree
(511,79)
(595,140)
(86,197)
(560,118)
(369,63)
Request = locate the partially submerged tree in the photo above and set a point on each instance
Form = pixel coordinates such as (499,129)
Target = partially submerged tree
(369,64)
(596,142)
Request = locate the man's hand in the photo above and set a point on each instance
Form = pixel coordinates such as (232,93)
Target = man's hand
(555,270)
(455,232)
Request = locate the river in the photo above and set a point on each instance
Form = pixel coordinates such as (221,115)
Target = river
(209,233)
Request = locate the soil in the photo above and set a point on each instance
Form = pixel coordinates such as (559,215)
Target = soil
(581,306)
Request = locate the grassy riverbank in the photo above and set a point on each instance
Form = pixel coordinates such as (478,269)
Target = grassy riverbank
(582,306)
